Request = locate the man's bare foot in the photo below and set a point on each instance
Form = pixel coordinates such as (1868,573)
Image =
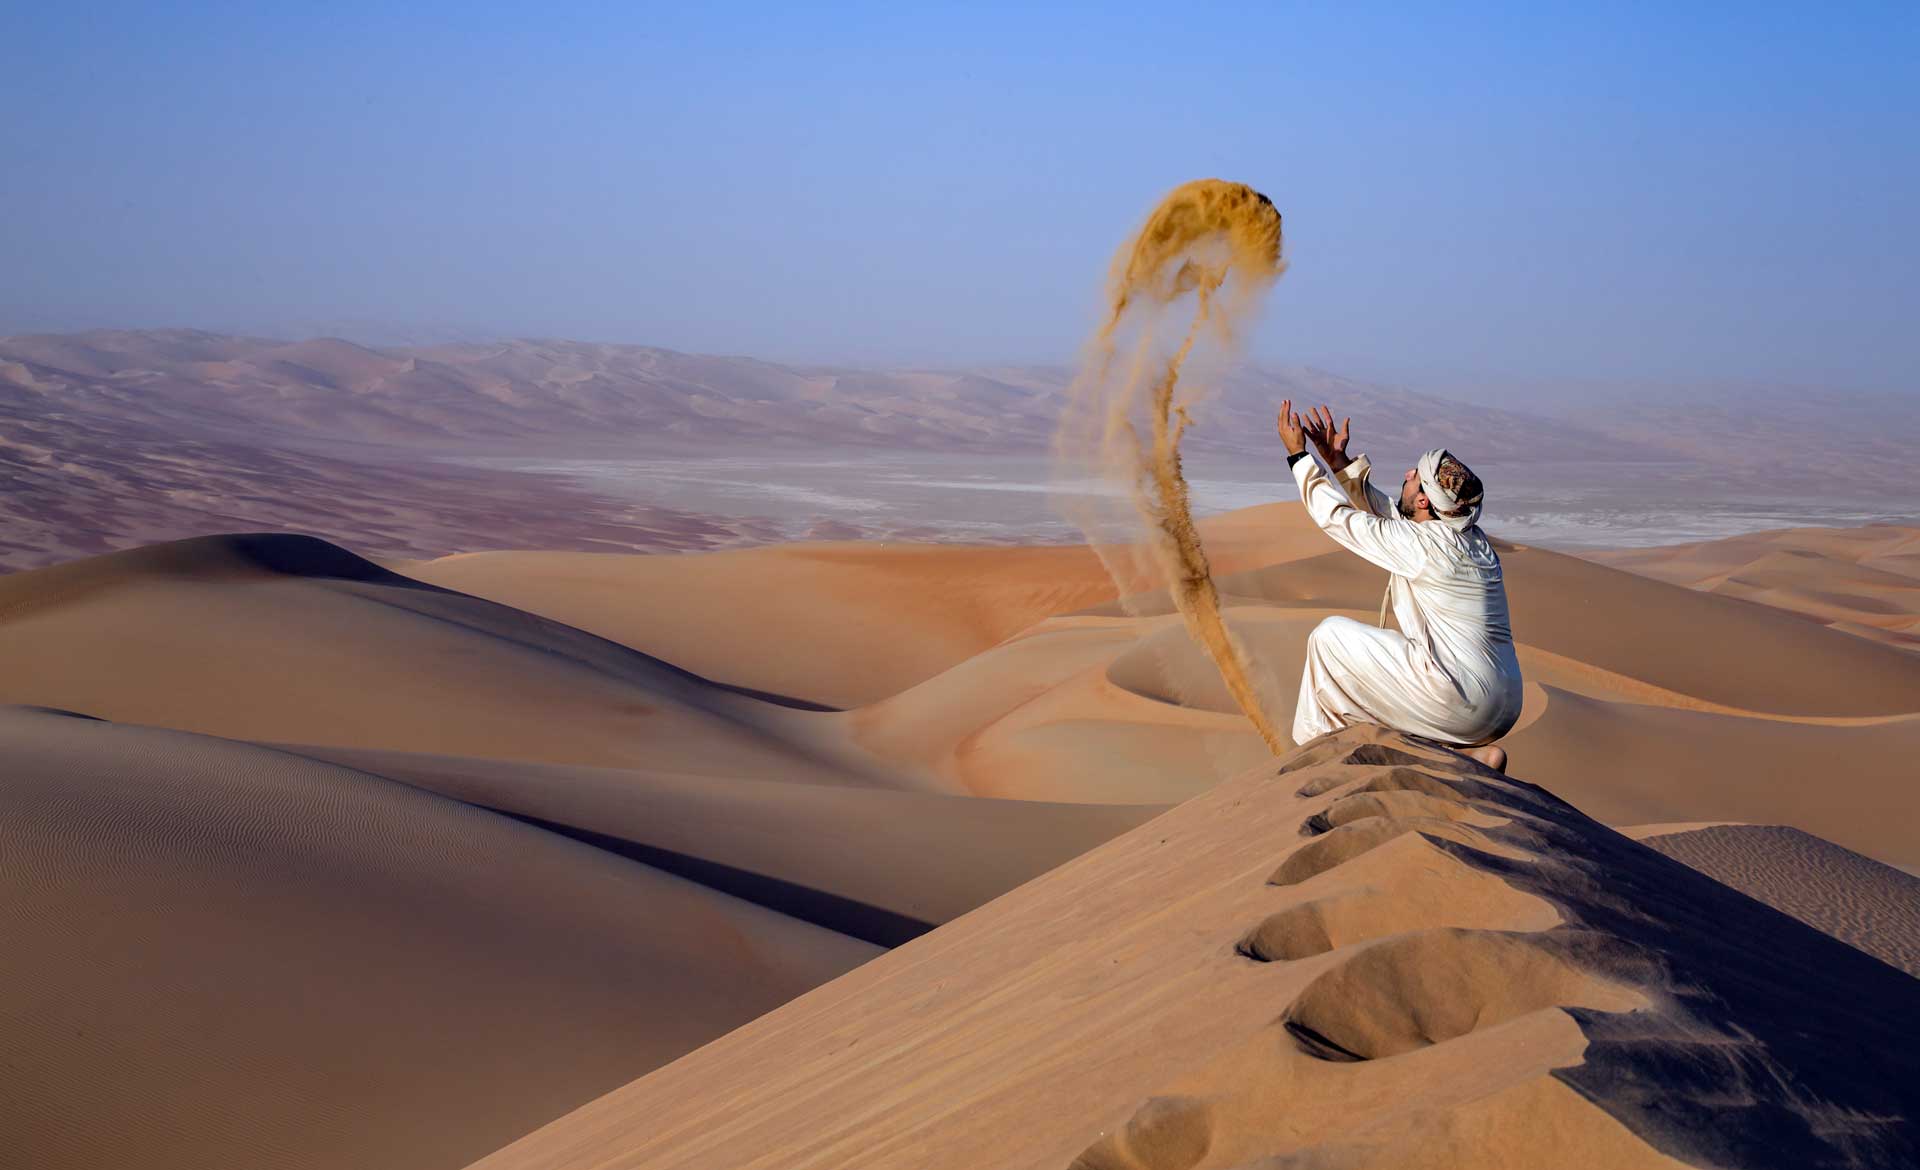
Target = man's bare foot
(1493,756)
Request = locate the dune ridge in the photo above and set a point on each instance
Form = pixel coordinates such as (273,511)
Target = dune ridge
(1371,953)
(852,622)
(1613,671)
(1864,581)
(273,637)
(761,746)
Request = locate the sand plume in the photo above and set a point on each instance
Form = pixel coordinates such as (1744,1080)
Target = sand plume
(1217,245)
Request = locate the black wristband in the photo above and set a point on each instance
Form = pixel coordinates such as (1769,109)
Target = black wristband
(1296,457)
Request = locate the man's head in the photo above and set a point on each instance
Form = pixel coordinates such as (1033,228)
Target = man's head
(1455,495)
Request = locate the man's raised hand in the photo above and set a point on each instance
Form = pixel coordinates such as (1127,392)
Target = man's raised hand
(1292,432)
(1331,441)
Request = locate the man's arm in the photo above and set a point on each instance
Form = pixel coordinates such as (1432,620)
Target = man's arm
(1350,472)
(1391,544)
(1329,440)
(1360,489)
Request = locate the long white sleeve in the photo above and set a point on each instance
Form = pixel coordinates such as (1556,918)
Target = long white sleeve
(1392,544)
(1355,475)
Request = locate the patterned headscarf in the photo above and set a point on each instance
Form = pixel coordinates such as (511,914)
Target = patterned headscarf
(1455,512)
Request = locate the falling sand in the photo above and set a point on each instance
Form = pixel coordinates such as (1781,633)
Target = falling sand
(1217,244)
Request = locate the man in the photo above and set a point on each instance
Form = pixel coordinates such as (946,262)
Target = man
(1449,673)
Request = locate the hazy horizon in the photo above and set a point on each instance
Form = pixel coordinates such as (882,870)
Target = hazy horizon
(1500,196)
(1521,395)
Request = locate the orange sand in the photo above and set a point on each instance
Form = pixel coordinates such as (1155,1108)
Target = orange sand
(1219,243)
(449,851)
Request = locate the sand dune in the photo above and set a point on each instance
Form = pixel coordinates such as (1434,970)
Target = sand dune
(292,639)
(1864,904)
(1851,784)
(1628,626)
(1864,581)
(723,779)
(877,865)
(1372,954)
(224,955)
(1632,681)
(839,623)
(276,652)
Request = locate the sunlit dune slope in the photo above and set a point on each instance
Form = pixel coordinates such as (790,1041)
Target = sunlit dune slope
(696,786)
(841,623)
(1641,630)
(292,639)
(288,640)
(1630,763)
(1371,954)
(1865,581)
(1083,709)
(1632,682)
(836,623)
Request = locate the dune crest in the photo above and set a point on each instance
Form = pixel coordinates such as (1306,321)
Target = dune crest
(673,752)
(1861,581)
(1373,953)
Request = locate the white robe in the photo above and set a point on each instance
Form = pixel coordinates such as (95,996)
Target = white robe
(1449,672)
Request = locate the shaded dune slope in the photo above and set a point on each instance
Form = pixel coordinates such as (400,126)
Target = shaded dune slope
(750,796)
(877,865)
(1629,764)
(1372,954)
(1855,899)
(223,955)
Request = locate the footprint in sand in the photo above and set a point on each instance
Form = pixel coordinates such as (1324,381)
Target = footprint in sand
(1413,990)
(1166,1133)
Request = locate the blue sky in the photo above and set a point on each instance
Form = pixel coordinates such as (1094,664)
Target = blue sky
(1474,193)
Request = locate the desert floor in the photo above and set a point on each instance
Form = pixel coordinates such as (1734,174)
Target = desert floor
(317,861)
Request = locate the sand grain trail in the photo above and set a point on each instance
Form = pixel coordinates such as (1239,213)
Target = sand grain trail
(1217,244)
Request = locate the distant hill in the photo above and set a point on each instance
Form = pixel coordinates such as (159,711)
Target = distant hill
(568,392)
(115,438)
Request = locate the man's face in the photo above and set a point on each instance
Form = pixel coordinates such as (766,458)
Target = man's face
(1410,492)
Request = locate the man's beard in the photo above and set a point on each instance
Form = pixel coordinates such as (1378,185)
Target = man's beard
(1400,506)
